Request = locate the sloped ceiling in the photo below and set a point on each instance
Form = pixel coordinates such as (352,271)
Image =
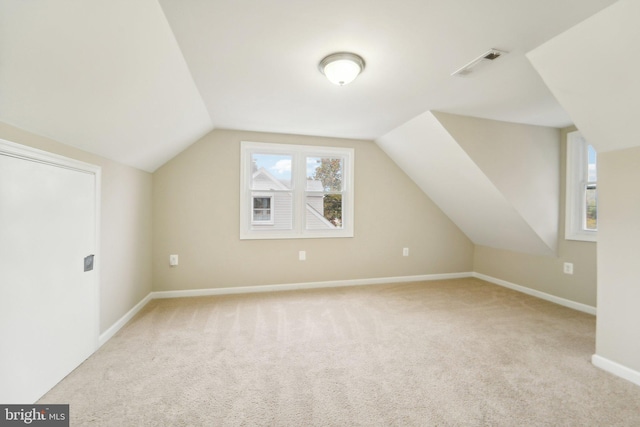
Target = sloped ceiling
(498,182)
(592,70)
(104,76)
(138,81)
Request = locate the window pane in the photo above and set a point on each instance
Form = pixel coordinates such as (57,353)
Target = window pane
(592,172)
(591,196)
(270,171)
(323,212)
(591,221)
(324,174)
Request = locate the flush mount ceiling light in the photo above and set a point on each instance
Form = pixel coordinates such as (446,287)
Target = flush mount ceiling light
(341,68)
(490,55)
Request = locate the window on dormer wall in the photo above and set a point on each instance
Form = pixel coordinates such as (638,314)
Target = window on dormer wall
(581,222)
(295,191)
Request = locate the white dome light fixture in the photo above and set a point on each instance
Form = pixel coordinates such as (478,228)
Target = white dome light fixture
(341,68)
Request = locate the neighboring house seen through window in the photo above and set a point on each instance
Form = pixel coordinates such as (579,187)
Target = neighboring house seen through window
(295,191)
(261,211)
(581,191)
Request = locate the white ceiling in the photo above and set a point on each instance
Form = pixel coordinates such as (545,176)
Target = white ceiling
(138,81)
(106,76)
(598,82)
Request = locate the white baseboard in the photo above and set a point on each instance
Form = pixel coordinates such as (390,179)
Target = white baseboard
(538,294)
(106,335)
(616,369)
(306,285)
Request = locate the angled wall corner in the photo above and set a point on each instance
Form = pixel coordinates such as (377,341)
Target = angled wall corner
(489,214)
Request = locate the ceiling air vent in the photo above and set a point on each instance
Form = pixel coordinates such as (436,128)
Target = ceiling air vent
(489,55)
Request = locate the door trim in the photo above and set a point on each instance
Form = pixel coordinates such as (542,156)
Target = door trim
(12,149)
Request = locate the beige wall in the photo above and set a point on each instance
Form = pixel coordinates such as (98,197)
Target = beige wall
(618,324)
(196,215)
(543,273)
(125,275)
(521,161)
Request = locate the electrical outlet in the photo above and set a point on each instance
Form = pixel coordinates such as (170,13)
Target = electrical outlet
(173,260)
(302,255)
(405,251)
(568,268)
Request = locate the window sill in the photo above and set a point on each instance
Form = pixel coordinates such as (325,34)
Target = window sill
(586,236)
(279,236)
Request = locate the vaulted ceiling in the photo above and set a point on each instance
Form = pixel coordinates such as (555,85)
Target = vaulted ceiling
(138,81)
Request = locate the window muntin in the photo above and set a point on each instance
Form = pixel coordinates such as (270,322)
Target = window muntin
(312,190)
(581,189)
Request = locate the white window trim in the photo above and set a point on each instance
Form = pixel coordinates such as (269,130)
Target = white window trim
(271,219)
(576,181)
(298,153)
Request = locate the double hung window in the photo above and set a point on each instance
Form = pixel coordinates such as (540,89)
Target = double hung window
(582,189)
(295,191)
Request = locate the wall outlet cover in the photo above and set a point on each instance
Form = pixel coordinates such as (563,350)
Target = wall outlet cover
(568,268)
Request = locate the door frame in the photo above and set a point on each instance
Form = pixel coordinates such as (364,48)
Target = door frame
(24,152)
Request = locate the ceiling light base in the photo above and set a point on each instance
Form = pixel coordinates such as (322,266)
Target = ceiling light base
(341,68)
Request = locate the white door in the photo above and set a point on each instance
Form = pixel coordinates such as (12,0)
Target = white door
(48,303)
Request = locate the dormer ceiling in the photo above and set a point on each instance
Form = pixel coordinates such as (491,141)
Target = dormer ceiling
(138,81)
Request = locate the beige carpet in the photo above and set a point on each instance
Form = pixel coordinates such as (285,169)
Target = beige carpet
(447,353)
